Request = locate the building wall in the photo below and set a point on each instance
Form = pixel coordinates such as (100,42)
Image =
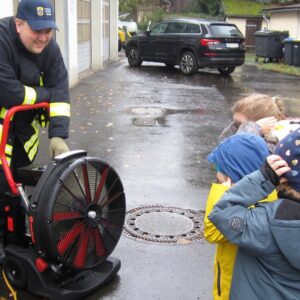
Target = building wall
(66,37)
(66,19)
(239,22)
(6,8)
(113,42)
(286,21)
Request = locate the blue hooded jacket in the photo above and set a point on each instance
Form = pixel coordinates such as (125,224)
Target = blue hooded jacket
(268,235)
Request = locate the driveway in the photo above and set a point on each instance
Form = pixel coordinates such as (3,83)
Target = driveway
(156,128)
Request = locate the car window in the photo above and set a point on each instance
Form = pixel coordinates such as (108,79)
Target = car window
(194,28)
(177,27)
(204,29)
(159,29)
(224,30)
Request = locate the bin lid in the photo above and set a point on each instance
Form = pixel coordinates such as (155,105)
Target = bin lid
(288,39)
(291,40)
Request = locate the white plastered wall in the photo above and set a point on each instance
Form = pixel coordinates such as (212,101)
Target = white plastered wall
(239,22)
(286,21)
(97,34)
(6,8)
(114,15)
(66,37)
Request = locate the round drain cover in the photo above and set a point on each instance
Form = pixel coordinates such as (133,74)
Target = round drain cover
(152,111)
(164,224)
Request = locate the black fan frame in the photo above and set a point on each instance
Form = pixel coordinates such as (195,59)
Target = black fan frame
(43,201)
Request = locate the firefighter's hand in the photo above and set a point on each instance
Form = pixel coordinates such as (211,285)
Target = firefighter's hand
(57,147)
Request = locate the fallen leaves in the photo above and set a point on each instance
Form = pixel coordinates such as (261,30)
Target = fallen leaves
(183,241)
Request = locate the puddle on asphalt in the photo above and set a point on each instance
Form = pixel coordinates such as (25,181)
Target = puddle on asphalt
(156,116)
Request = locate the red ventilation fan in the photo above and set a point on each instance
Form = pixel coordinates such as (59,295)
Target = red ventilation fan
(75,216)
(77,213)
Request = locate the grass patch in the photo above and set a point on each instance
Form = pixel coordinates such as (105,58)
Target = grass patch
(243,8)
(276,67)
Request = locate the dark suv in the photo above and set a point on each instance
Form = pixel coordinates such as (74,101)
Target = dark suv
(190,43)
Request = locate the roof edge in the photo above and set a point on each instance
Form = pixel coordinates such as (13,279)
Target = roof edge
(282,8)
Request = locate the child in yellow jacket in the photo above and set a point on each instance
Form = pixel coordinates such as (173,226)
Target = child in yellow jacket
(236,157)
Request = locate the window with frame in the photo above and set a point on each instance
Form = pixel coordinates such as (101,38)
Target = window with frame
(106,19)
(83,20)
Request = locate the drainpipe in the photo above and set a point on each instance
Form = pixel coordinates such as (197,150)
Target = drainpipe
(267,20)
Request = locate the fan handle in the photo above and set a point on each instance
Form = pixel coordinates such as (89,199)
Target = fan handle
(16,188)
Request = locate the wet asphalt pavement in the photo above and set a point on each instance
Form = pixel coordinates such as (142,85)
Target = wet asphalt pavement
(156,128)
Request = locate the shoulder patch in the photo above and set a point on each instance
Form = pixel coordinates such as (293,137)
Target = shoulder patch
(235,224)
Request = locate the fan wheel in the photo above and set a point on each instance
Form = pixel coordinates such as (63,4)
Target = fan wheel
(80,213)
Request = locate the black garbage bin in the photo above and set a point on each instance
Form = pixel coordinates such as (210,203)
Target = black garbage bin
(288,51)
(296,53)
(269,44)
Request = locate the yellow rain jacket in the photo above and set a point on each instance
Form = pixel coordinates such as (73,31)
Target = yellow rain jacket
(225,251)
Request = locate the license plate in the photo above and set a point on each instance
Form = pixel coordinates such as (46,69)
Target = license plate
(232,45)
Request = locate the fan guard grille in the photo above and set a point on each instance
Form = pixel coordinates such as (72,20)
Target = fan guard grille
(88,214)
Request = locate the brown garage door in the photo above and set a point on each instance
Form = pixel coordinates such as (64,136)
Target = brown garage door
(252,25)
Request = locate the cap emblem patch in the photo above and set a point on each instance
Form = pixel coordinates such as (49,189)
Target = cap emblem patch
(40,11)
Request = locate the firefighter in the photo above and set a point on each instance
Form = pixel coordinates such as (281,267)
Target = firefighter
(31,71)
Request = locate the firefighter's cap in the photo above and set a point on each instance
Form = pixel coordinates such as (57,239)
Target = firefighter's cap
(39,14)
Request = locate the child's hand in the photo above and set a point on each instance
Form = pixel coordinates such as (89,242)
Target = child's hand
(266,124)
(278,165)
(227,182)
(273,168)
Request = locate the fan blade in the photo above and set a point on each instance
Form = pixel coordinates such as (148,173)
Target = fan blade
(109,224)
(83,243)
(65,216)
(76,198)
(111,199)
(69,237)
(101,184)
(86,184)
(100,248)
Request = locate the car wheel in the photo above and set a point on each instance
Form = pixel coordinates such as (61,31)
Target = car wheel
(226,71)
(134,59)
(188,64)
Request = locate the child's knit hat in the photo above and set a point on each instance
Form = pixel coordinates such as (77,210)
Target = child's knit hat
(239,155)
(289,150)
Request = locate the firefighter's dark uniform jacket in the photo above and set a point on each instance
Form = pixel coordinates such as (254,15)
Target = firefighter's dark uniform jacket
(27,78)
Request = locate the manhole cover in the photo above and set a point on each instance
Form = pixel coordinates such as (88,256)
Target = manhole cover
(148,111)
(145,121)
(164,224)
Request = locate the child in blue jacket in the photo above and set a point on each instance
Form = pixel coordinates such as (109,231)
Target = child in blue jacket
(267,264)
